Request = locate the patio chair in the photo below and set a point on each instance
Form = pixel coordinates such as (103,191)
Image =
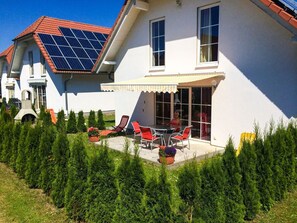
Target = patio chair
(116,129)
(149,136)
(136,129)
(180,137)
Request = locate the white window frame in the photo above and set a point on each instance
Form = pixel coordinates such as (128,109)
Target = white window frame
(152,66)
(209,64)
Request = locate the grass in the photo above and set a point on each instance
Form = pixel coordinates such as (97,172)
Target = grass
(20,204)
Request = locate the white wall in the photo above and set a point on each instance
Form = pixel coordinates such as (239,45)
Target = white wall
(255,53)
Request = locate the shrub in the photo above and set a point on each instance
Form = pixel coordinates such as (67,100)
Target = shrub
(16,137)
(71,124)
(92,119)
(100,122)
(61,124)
(251,198)
(61,156)
(7,142)
(21,158)
(81,127)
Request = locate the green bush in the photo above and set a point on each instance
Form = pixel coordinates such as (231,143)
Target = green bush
(100,122)
(61,124)
(81,127)
(92,119)
(21,158)
(71,124)
(16,137)
(7,142)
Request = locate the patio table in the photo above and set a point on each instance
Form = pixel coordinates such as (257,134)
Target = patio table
(164,131)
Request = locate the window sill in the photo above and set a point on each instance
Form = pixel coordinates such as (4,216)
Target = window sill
(156,69)
(212,65)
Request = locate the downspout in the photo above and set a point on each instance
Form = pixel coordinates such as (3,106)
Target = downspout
(65,91)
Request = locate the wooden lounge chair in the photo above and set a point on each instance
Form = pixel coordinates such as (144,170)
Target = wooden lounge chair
(116,129)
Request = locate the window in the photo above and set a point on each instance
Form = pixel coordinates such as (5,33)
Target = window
(208,33)
(40,96)
(158,42)
(42,62)
(162,108)
(31,69)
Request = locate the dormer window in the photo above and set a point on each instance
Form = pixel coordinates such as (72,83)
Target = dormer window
(158,42)
(31,68)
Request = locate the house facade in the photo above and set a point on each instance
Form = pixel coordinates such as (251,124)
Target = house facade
(223,65)
(53,58)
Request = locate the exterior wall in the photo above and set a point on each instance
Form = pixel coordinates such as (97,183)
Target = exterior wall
(255,53)
(6,81)
(83,91)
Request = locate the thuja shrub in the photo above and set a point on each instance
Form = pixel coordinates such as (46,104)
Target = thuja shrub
(292,129)
(251,198)
(47,139)
(47,120)
(77,181)
(102,190)
(32,156)
(264,173)
(189,187)
(60,157)
(211,202)
(14,147)
(7,142)
(71,123)
(61,124)
(81,127)
(234,207)
(100,120)
(21,158)
(92,119)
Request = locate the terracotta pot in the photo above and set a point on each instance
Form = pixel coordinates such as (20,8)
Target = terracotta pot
(93,138)
(168,159)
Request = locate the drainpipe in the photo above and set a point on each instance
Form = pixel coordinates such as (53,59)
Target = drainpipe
(65,91)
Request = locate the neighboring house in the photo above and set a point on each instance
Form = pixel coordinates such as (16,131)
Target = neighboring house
(53,59)
(7,84)
(223,65)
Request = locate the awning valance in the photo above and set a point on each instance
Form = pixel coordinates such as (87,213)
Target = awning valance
(165,83)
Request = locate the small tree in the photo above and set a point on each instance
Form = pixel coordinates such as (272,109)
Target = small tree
(14,153)
(102,190)
(92,119)
(81,127)
(71,124)
(6,143)
(61,156)
(189,185)
(100,122)
(21,158)
(61,124)
(234,207)
(251,198)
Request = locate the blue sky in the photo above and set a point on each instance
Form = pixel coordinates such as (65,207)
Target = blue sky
(17,15)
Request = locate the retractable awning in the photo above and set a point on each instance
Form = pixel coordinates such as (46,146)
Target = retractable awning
(165,83)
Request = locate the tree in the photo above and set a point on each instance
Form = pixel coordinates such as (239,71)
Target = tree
(6,143)
(92,119)
(234,207)
(60,157)
(46,156)
(61,124)
(81,127)
(102,190)
(71,124)
(100,122)
(14,153)
(189,186)
(251,198)
(21,158)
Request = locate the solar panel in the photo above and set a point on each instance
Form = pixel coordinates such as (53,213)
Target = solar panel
(75,49)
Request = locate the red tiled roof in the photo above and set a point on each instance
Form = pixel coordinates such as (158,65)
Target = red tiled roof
(8,54)
(281,12)
(48,25)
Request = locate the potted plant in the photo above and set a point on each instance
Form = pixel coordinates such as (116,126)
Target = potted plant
(93,134)
(167,154)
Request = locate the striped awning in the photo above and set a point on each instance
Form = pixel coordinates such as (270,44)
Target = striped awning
(165,83)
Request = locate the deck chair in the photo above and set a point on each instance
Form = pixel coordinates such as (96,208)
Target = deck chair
(180,137)
(149,136)
(53,116)
(116,129)
(245,136)
(136,129)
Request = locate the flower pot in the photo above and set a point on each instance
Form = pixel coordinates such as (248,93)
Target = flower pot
(93,138)
(167,159)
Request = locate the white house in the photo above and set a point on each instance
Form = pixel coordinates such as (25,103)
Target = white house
(53,59)
(7,84)
(224,65)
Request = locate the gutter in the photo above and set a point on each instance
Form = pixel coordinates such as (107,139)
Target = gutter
(65,91)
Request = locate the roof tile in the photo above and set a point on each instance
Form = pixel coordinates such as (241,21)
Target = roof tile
(8,54)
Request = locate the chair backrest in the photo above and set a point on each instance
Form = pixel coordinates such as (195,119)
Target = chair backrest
(136,127)
(123,123)
(146,132)
(187,132)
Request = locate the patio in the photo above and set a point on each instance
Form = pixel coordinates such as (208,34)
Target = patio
(198,150)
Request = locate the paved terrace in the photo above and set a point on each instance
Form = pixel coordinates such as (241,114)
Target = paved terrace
(198,150)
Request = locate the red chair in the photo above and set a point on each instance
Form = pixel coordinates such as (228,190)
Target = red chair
(148,136)
(116,129)
(136,129)
(180,137)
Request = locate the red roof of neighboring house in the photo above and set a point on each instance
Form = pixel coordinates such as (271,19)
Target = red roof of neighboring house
(285,15)
(48,25)
(7,54)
